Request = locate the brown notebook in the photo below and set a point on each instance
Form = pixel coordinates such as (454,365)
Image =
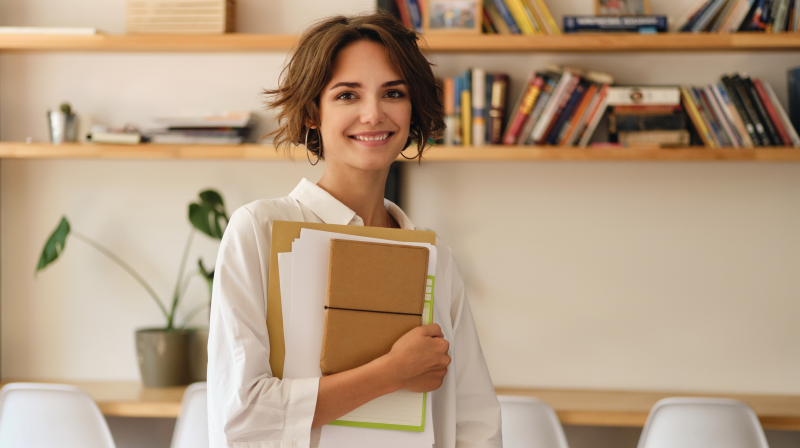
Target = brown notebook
(376,293)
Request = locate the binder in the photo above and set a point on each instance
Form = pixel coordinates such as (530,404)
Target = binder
(375,295)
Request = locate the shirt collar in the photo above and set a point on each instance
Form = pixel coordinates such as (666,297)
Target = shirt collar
(331,211)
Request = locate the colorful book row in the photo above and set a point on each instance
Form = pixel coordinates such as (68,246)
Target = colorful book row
(739,112)
(529,17)
(729,16)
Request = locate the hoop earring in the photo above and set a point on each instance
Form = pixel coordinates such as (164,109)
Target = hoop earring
(319,155)
(408,142)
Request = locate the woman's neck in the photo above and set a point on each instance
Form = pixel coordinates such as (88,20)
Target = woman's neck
(360,191)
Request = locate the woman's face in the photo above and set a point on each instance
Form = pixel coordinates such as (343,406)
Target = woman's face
(365,111)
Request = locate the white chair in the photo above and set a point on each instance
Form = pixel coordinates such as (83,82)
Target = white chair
(530,423)
(702,423)
(50,416)
(191,428)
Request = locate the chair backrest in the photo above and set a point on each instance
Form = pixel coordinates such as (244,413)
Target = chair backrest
(36,415)
(702,423)
(191,428)
(530,423)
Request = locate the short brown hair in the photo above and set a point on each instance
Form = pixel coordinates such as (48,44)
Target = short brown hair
(310,68)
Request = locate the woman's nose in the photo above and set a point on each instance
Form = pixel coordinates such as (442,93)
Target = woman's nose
(372,111)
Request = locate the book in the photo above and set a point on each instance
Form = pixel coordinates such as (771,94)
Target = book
(691,13)
(541,10)
(498,22)
(478,107)
(449,111)
(743,112)
(637,95)
(694,116)
(793,89)
(457,131)
(405,15)
(49,31)
(552,106)
(576,120)
(704,107)
(580,126)
(502,9)
(732,136)
(674,137)
(624,122)
(415,13)
(761,112)
(594,118)
(517,11)
(527,100)
(466,109)
(550,81)
(572,96)
(487,110)
(772,113)
(708,14)
(734,121)
(114,138)
(497,113)
(621,24)
(790,129)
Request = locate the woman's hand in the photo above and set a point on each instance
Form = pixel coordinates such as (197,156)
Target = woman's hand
(419,360)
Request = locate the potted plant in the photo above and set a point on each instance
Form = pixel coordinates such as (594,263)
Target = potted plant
(164,353)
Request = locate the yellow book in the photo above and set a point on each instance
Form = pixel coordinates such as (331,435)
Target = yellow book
(544,16)
(466,118)
(517,10)
(696,118)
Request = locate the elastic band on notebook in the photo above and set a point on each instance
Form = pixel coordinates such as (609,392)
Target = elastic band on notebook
(371,311)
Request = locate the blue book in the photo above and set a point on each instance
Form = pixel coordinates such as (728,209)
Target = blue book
(707,15)
(416,14)
(687,27)
(506,14)
(793,78)
(457,81)
(566,114)
(615,24)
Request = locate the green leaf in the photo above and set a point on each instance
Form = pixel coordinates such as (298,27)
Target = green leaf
(54,245)
(208,215)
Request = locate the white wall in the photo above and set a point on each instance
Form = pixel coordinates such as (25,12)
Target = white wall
(614,275)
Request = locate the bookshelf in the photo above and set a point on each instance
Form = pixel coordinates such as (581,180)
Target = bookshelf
(435,154)
(572,43)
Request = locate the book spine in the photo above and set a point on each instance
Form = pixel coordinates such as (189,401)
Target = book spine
(763,138)
(772,113)
(722,16)
(466,108)
(625,122)
(708,116)
(594,119)
(416,14)
(530,6)
(405,17)
(793,88)
(506,15)
(556,120)
(552,106)
(585,117)
(487,118)
(528,99)
(518,12)
(568,116)
(578,24)
(497,112)
(779,25)
(550,23)
(478,107)
(531,77)
(774,138)
(457,132)
(697,120)
(449,110)
(580,112)
(737,129)
(697,8)
(796,14)
(733,137)
(687,27)
(738,104)
(497,20)
(790,129)
(524,137)
(737,18)
(703,21)
(645,96)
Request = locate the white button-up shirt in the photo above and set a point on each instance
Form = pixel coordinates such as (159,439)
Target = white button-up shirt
(248,407)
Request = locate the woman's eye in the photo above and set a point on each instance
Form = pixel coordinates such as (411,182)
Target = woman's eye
(395,94)
(346,96)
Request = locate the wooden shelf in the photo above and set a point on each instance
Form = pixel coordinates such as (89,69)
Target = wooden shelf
(574,407)
(10,150)
(586,43)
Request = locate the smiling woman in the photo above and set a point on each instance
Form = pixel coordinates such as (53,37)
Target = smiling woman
(357,92)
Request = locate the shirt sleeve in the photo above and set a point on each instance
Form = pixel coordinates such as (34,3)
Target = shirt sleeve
(247,406)
(477,408)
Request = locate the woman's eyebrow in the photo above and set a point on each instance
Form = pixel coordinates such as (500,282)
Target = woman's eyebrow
(356,85)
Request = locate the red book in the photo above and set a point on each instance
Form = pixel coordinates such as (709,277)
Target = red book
(404,15)
(528,100)
(773,114)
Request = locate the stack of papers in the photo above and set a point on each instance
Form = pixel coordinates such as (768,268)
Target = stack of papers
(401,419)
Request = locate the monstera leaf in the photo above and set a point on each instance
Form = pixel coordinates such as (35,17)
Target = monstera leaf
(208,215)
(54,245)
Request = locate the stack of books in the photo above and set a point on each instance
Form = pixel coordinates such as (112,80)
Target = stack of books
(230,128)
(738,112)
(530,17)
(730,16)
(647,116)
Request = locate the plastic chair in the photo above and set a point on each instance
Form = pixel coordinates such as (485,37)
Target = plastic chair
(34,415)
(530,423)
(702,423)
(191,428)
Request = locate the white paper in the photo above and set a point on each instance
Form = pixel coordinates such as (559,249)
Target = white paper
(285,277)
(303,338)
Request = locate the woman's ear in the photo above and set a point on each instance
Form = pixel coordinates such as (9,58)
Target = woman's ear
(310,124)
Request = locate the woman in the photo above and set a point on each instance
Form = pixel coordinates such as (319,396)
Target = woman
(357,91)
